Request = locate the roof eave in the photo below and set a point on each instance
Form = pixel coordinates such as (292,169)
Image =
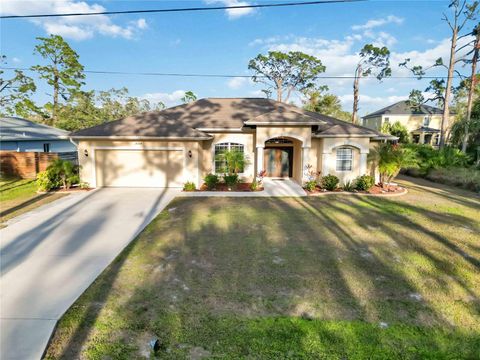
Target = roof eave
(119,137)
(343,135)
(35,139)
(302,123)
(221,129)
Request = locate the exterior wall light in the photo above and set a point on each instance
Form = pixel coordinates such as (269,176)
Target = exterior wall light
(85,152)
(189,153)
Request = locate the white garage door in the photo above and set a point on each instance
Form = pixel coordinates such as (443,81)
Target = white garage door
(139,168)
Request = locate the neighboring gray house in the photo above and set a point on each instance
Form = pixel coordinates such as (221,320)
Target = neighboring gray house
(22,135)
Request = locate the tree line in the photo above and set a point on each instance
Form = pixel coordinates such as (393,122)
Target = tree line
(70,106)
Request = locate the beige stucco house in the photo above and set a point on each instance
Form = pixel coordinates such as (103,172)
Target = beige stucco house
(422,122)
(167,148)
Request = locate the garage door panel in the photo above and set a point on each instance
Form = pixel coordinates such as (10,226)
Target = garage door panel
(139,168)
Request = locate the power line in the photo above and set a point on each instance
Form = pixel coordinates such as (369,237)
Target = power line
(105,72)
(210,8)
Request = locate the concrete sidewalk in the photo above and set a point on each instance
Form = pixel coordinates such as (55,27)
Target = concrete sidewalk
(51,255)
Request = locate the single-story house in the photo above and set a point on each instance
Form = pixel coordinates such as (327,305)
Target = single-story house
(422,122)
(169,147)
(22,135)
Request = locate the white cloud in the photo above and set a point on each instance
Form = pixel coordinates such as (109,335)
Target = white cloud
(141,23)
(373,23)
(73,27)
(237,82)
(381,38)
(233,13)
(16,60)
(169,99)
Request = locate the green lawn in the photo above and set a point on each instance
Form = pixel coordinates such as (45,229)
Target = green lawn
(337,277)
(18,196)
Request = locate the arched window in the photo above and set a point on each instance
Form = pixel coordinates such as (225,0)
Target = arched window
(220,164)
(344,159)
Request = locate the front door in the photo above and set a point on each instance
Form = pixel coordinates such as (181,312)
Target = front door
(278,161)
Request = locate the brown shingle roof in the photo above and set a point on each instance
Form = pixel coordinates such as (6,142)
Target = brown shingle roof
(188,120)
(150,124)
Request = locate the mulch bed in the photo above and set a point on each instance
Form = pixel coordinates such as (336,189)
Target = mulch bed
(375,190)
(241,187)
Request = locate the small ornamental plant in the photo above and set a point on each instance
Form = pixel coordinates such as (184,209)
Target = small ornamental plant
(189,186)
(211,180)
(231,180)
(259,179)
(330,182)
(310,185)
(348,186)
(364,182)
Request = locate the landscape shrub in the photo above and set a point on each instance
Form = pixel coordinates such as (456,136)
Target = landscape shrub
(430,158)
(364,182)
(254,185)
(231,179)
(60,173)
(310,185)
(46,181)
(84,185)
(348,186)
(391,158)
(467,178)
(189,186)
(211,180)
(330,182)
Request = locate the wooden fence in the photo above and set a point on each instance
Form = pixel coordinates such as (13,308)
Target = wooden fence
(29,164)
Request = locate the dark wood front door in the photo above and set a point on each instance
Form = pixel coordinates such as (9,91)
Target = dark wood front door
(278,161)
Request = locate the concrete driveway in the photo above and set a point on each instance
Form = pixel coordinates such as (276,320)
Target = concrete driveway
(51,255)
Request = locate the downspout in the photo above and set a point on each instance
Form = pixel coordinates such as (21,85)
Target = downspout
(73,142)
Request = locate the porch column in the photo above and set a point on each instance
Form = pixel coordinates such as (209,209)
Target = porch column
(259,159)
(363,163)
(422,138)
(325,164)
(305,153)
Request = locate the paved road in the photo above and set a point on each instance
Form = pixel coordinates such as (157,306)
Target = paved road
(51,255)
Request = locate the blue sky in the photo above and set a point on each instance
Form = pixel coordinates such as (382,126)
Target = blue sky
(223,42)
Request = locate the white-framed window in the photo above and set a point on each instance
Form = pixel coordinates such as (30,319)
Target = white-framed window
(426,121)
(46,147)
(344,159)
(386,120)
(219,148)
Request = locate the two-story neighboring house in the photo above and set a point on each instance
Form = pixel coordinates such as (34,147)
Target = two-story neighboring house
(422,122)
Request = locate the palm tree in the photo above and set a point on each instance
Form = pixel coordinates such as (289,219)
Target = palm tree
(234,160)
(390,159)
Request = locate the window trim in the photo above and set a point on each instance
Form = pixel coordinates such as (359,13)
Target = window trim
(230,143)
(351,160)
